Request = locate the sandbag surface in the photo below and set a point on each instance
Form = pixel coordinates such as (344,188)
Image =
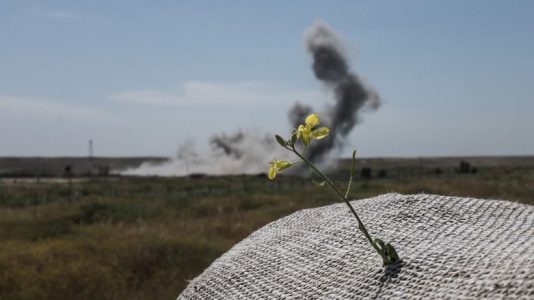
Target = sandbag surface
(451,248)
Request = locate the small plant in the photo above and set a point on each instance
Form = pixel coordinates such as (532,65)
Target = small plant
(305,134)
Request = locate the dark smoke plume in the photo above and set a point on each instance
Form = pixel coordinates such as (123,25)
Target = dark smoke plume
(247,151)
(298,113)
(228,143)
(331,67)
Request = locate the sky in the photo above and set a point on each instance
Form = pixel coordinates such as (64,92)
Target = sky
(143,77)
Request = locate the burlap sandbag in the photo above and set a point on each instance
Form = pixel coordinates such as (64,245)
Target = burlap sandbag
(451,248)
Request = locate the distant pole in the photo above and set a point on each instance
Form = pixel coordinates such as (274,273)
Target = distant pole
(90,149)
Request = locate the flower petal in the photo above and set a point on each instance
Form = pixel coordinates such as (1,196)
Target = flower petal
(301,131)
(272,172)
(305,139)
(312,120)
(282,165)
(320,133)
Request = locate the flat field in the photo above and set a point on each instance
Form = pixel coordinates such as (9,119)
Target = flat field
(145,237)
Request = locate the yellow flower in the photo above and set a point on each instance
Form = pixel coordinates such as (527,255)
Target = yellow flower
(277,166)
(306,133)
(312,120)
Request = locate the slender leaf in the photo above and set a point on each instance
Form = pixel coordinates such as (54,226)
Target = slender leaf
(280,140)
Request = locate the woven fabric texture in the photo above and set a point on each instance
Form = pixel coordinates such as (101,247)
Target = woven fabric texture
(451,248)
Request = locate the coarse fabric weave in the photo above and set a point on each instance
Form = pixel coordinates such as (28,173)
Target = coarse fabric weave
(451,248)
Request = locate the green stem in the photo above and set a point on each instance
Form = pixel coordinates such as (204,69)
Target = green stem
(338,192)
(351,173)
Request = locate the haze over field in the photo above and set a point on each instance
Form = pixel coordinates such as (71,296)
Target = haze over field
(454,78)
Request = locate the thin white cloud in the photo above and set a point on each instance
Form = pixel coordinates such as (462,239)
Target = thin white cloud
(203,94)
(23,107)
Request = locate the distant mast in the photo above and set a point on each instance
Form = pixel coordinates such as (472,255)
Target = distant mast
(91,149)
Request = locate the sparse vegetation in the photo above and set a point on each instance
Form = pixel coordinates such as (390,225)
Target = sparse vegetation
(144,237)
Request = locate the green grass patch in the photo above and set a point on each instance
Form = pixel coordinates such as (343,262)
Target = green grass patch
(144,238)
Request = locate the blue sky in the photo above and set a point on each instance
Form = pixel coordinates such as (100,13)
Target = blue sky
(141,77)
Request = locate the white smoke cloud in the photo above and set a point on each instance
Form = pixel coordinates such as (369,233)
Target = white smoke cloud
(251,152)
(242,152)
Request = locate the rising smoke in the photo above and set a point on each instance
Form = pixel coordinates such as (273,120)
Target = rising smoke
(248,152)
(351,94)
(243,152)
